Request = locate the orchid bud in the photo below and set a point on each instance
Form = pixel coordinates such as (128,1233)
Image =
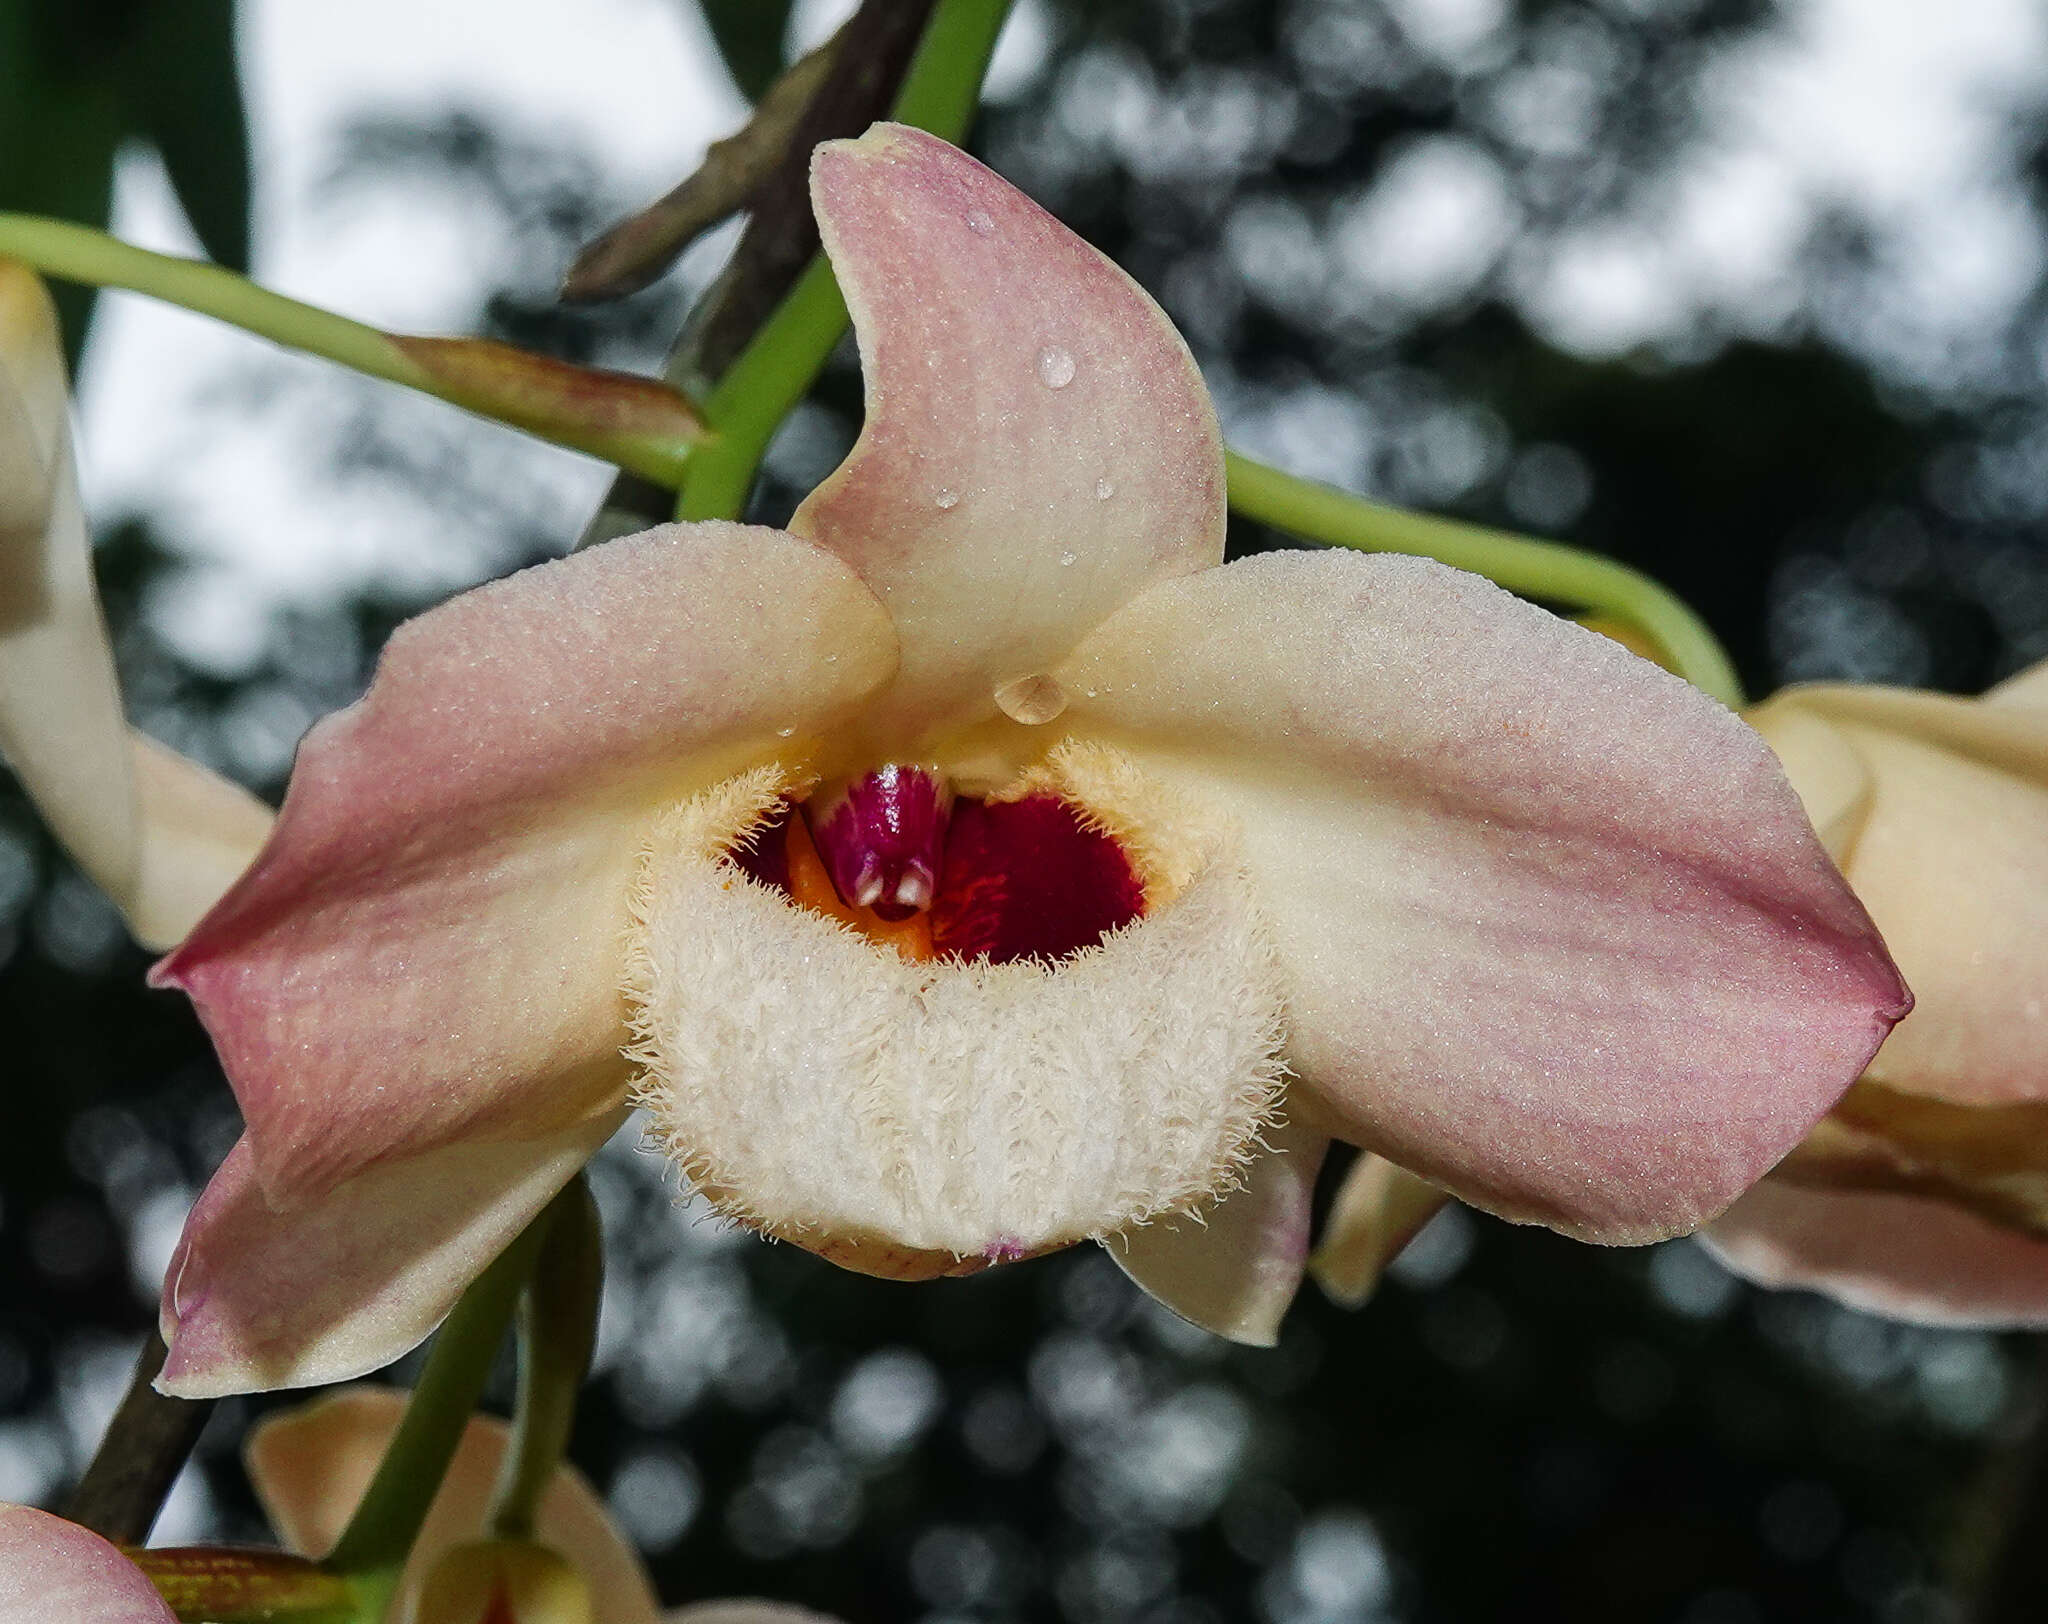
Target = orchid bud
(498,1581)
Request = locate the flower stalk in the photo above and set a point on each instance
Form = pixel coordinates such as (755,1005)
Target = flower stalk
(222,1586)
(372,1550)
(557,1332)
(1533,569)
(640,424)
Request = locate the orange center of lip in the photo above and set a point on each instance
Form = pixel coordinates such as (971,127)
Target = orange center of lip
(811,887)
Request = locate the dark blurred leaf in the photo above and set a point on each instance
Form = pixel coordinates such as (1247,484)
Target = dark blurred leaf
(749,35)
(75,80)
(60,124)
(180,89)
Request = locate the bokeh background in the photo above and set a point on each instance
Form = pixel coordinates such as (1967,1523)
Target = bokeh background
(1750,294)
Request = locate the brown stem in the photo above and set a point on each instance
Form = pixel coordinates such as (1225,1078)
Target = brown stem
(642,247)
(138,1459)
(870,57)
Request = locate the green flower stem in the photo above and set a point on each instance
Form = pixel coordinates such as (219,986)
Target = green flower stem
(373,1548)
(1534,569)
(580,408)
(557,1331)
(773,373)
(939,94)
(943,87)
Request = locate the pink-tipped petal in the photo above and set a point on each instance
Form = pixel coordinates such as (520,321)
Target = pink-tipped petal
(1236,1270)
(1558,936)
(432,944)
(1927,1262)
(1380,1208)
(1038,443)
(53,1570)
(61,727)
(257,1298)
(310,1467)
(1948,849)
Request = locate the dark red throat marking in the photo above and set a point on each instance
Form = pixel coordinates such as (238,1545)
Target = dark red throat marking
(1021,879)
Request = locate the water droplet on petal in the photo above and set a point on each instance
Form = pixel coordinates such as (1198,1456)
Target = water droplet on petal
(1105,488)
(1068,557)
(1031,700)
(785,732)
(1055,367)
(980,224)
(945,499)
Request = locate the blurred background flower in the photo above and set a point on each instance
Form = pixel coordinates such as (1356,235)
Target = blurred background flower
(1753,295)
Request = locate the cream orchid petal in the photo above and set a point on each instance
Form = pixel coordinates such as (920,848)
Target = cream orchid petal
(1038,443)
(1379,1209)
(1927,1262)
(1556,934)
(310,1467)
(744,1610)
(199,832)
(2002,729)
(61,727)
(1950,855)
(51,1569)
(256,1298)
(2024,690)
(1236,1270)
(432,944)
(1833,781)
(32,367)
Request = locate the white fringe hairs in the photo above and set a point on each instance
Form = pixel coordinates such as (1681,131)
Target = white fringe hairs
(817,1086)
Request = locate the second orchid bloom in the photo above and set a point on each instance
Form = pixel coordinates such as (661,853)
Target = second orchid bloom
(980,865)
(1924,1194)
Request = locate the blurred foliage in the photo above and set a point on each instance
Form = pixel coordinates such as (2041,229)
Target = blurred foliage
(1516,1427)
(749,35)
(80,78)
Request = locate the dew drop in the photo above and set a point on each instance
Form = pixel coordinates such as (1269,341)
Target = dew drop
(980,224)
(1055,367)
(1031,700)
(1068,557)
(1105,488)
(946,499)
(785,732)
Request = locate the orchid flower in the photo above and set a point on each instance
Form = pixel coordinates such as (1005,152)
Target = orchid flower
(310,1467)
(980,865)
(1924,1194)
